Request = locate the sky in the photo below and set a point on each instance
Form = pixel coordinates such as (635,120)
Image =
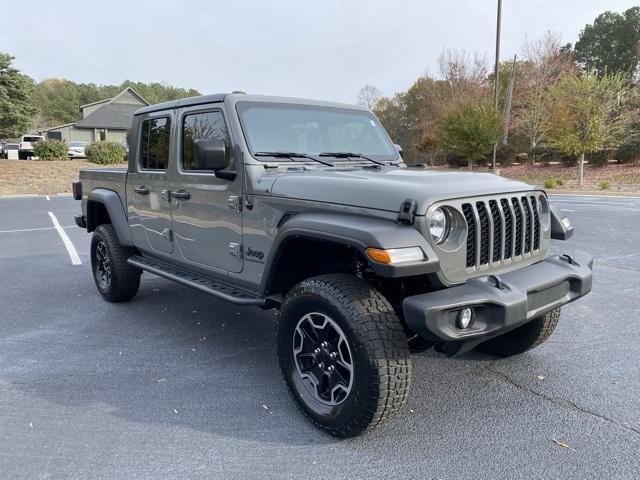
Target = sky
(322,49)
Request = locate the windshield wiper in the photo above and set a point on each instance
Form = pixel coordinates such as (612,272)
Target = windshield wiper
(350,155)
(292,155)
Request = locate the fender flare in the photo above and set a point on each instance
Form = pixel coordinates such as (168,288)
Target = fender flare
(113,205)
(357,232)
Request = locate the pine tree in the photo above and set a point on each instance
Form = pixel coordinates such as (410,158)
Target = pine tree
(16,111)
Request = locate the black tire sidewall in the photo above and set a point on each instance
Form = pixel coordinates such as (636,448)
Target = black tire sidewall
(125,279)
(98,237)
(365,386)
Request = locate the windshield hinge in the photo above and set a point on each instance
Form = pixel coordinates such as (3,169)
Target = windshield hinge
(235,250)
(235,203)
(407,212)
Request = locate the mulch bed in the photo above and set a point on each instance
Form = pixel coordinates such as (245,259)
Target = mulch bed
(20,177)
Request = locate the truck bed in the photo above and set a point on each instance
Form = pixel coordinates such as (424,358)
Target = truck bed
(109,178)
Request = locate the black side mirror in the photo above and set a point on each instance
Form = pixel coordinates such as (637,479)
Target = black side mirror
(210,154)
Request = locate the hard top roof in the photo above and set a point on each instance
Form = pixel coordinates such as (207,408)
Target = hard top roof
(237,97)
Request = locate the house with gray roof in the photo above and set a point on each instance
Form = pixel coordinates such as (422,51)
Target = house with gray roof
(108,119)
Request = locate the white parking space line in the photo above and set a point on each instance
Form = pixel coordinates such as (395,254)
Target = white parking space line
(582,195)
(73,253)
(47,197)
(34,229)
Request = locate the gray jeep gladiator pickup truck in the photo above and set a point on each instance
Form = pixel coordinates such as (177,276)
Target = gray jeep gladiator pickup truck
(308,207)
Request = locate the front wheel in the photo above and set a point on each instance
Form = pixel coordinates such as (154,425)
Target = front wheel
(523,338)
(343,354)
(117,281)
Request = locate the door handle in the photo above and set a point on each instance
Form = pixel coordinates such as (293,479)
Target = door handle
(180,194)
(142,190)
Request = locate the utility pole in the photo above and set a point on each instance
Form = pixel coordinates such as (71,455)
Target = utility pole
(496,74)
(507,107)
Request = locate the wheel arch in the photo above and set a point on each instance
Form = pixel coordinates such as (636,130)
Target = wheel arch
(321,241)
(105,206)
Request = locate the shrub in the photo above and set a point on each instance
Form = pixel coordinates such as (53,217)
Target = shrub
(600,158)
(542,155)
(505,155)
(569,160)
(605,185)
(628,152)
(51,150)
(560,181)
(550,183)
(105,153)
(456,161)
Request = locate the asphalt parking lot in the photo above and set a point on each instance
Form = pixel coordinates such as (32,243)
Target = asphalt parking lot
(176,384)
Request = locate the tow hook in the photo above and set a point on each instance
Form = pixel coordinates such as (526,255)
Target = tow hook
(497,281)
(567,258)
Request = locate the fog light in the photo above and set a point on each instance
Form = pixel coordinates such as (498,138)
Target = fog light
(464,317)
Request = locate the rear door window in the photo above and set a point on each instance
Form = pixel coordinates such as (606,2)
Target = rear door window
(154,143)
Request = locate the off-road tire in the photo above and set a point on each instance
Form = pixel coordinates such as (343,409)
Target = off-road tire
(125,279)
(523,338)
(382,367)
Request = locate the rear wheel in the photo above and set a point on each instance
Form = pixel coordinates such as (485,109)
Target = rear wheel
(343,354)
(523,338)
(117,281)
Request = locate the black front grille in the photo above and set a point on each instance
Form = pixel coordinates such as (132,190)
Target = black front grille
(497,230)
(508,228)
(467,210)
(518,213)
(484,232)
(536,223)
(501,229)
(527,225)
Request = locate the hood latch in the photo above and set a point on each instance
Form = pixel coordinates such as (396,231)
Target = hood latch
(407,212)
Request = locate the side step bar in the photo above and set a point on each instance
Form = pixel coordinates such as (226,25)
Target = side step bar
(204,284)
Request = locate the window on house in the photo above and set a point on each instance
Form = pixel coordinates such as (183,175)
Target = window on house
(154,144)
(201,126)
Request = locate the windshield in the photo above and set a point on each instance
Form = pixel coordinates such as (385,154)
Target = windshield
(282,127)
(78,144)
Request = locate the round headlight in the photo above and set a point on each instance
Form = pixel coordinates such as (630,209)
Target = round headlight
(439,225)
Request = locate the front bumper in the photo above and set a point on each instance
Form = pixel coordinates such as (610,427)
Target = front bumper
(499,303)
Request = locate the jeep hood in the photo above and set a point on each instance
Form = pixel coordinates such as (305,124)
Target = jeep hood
(387,188)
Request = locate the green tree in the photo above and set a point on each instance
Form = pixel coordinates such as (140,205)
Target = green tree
(587,114)
(469,130)
(16,112)
(611,43)
(545,62)
(57,102)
